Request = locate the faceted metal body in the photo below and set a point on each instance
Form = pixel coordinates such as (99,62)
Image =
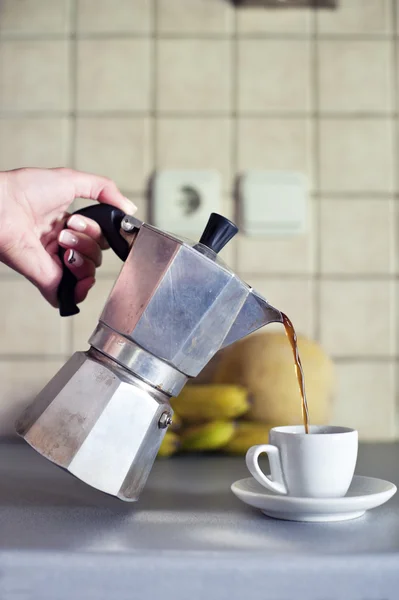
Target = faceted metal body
(99,423)
(174,305)
(180,302)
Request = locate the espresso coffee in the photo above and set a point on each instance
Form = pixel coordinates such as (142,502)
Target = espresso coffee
(291,334)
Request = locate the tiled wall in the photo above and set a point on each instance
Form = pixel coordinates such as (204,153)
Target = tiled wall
(122,87)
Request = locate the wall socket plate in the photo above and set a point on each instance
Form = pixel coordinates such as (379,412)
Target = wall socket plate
(274,203)
(183,200)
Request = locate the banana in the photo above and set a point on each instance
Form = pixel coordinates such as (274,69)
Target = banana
(209,436)
(170,444)
(247,434)
(204,403)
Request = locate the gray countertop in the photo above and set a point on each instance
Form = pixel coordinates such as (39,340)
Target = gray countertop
(188,537)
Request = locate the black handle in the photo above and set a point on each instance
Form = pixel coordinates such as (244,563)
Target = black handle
(218,232)
(109,219)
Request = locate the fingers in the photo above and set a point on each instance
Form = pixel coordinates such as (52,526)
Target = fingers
(84,245)
(82,288)
(80,266)
(83,253)
(88,227)
(84,271)
(97,188)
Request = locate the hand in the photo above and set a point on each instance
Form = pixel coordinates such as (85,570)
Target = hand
(33,204)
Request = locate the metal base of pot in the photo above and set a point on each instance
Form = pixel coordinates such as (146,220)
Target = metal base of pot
(100,423)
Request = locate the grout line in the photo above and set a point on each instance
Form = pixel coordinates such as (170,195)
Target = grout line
(72,133)
(153,136)
(217,114)
(350,195)
(354,37)
(338,277)
(395,291)
(342,359)
(235,82)
(154,100)
(266,36)
(327,115)
(316,183)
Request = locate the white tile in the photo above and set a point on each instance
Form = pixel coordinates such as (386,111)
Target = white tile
(365,399)
(260,19)
(355,76)
(356,155)
(34,75)
(114,16)
(21,381)
(357,236)
(358,318)
(294,297)
(278,255)
(117,148)
(183,88)
(194,17)
(196,144)
(28,324)
(274,75)
(370,17)
(34,16)
(34,142)
(275,144)
(4,269)
(86,321)
(114,75)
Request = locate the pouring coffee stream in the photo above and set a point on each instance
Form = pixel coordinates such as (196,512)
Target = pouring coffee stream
(175,304)
(292,337)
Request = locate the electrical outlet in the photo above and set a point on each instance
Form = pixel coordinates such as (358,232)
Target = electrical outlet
(183,200)
(274,203)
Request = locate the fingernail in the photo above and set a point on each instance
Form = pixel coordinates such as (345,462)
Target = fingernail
(74,258)
(130,207)
(66,237)
(77,223)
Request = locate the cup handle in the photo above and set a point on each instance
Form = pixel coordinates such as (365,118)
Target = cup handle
(252,456)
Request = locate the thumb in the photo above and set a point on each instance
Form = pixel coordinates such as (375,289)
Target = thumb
(29,258)
(102,189)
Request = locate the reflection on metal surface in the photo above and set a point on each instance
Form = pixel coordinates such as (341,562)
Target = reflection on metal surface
(174,305)
(137,361)
(96,421)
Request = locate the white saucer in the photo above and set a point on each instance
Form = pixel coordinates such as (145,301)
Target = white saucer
(364,493)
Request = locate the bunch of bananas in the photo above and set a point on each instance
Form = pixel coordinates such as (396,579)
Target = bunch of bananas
(211,418)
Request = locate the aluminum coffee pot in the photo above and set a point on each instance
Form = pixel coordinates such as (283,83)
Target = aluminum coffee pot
(174,305)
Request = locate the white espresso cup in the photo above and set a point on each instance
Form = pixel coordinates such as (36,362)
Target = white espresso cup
(318,464)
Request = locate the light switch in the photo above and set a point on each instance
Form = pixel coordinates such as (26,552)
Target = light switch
(274,203)
(183,200)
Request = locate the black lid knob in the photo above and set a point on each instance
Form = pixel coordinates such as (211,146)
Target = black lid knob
(218,232)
